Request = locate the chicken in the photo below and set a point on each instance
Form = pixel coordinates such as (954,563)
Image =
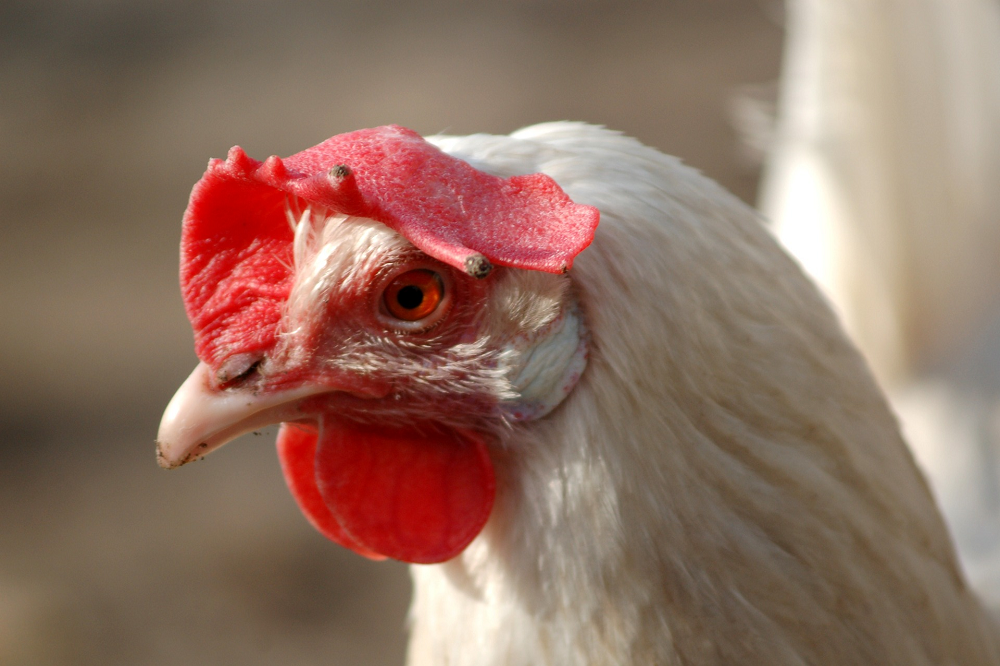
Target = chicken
(658,448)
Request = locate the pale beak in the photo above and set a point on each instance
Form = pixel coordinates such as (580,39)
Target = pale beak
(201,418)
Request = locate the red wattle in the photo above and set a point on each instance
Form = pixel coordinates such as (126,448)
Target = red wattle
(415,496)
(297,453)
(419,497)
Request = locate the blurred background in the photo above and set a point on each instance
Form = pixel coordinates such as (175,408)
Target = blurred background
(109,111)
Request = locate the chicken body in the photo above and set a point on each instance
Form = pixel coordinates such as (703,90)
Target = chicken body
(723,483)
(726,484)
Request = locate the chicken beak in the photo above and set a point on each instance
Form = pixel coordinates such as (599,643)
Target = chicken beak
(201,418)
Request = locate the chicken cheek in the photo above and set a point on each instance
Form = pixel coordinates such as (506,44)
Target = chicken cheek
(419,497)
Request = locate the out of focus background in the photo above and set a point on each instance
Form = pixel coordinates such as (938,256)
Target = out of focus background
(109,111)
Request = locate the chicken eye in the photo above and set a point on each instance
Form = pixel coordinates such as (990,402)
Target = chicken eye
(414,295)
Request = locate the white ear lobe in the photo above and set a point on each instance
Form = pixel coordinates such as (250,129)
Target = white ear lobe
(544,369)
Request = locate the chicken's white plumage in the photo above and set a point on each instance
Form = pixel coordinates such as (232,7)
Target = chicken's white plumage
(725,485)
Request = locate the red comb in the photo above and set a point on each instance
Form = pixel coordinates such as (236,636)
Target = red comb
(236,249)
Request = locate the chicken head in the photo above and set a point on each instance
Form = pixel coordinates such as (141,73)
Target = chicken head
(394,308)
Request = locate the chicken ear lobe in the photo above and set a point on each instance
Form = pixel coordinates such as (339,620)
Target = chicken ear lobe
(419,497)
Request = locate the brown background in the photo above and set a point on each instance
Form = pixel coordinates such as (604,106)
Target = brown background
(109,111)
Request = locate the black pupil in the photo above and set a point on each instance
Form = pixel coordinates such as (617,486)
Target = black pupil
(410,296)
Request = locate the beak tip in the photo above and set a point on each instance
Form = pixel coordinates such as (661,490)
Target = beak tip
(161,459)
(167,463)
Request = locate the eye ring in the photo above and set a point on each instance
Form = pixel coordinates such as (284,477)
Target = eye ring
(415,299)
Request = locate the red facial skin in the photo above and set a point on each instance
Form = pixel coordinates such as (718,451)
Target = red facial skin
(372,465)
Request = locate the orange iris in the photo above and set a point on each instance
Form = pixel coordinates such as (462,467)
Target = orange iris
(414,294)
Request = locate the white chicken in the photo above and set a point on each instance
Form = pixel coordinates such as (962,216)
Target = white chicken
(667,454)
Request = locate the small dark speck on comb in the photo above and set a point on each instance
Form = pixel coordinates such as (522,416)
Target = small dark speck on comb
(339,171)
(478,266)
